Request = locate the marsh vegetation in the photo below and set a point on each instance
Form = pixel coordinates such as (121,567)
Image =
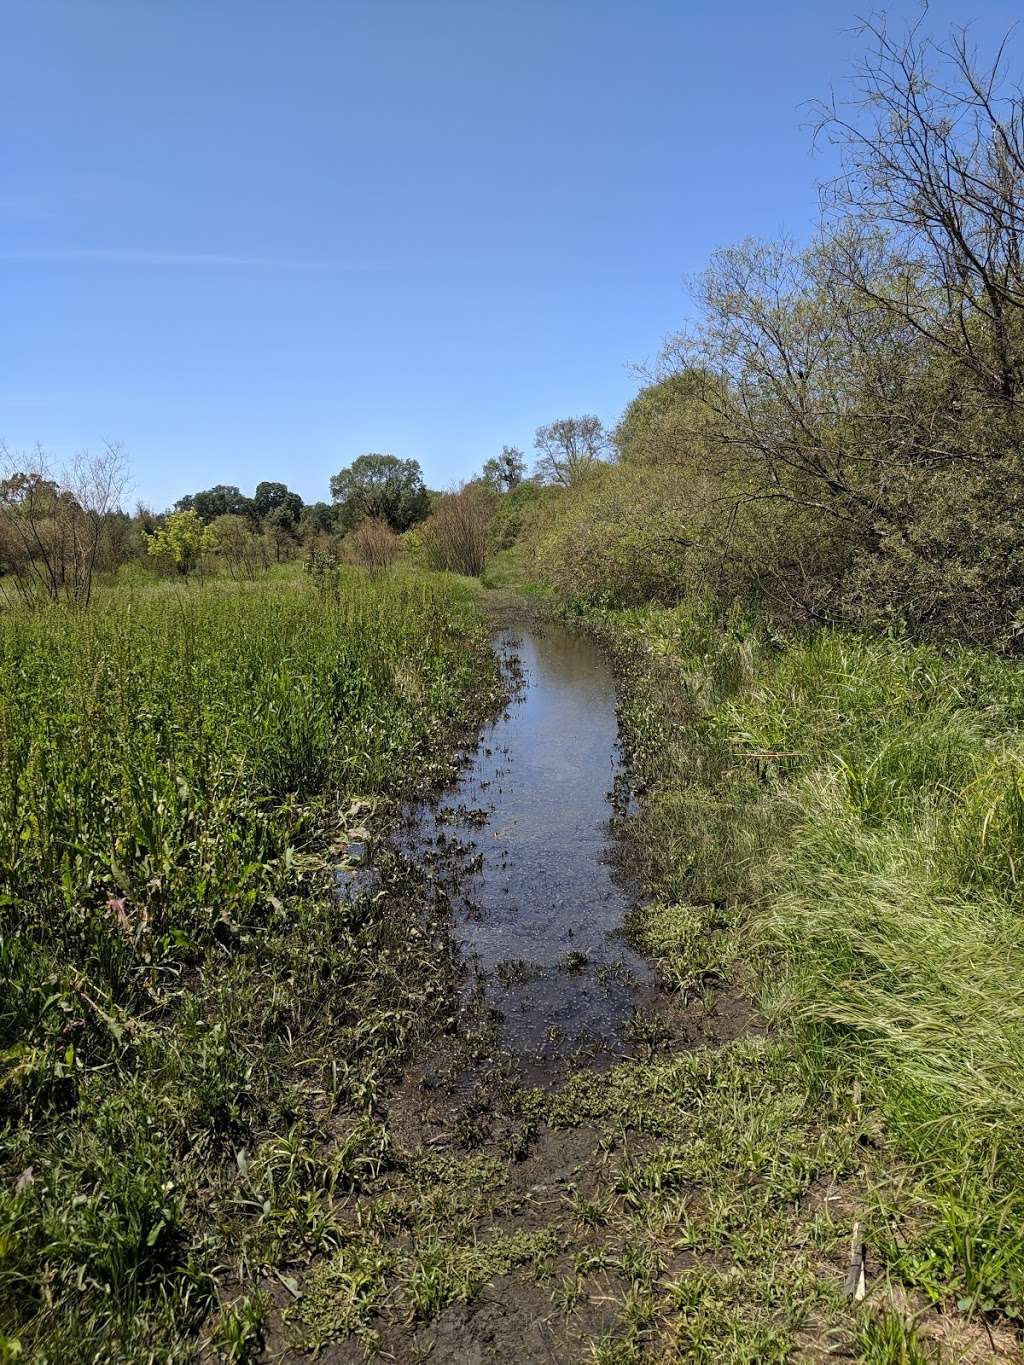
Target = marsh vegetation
(188,1007)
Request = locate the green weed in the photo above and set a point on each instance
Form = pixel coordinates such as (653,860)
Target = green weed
(194,1024)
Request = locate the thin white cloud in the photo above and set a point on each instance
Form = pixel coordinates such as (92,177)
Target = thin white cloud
(133,256)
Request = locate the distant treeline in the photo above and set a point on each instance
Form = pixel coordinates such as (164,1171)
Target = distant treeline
(57,533)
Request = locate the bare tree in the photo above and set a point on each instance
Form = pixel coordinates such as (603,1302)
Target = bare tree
(933,159)
(96,484)
(568,448)
(51,531)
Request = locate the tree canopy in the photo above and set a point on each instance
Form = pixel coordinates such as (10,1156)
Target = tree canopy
(318,518)
(279,499)
(505,471)
(182,540)
(223,500)
(569,448)
(380,486)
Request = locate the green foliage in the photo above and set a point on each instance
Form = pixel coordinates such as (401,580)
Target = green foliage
(614,539)
(223,500)
(664,423)
(182,540)
(569,449)
(278,499)
(857,803)
(380,486)
(686,943)
(839,438)
(512,515)
(506,471)
(239,546)
(238,1335)
(318,518)
(885,1339)
(187,999)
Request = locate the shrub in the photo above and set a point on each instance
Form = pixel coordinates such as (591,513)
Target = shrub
(616,539)
(372,544)
(241,549)
(181,542)
(515,511)
(455,536)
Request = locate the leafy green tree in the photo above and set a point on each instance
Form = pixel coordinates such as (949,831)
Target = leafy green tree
(380,486)
(663,424)
(278,498)
(318,519)
(516,511)
(223,500)
(279,530)
(239,545)
(182,540)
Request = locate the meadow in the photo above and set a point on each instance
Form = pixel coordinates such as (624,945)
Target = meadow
(189,1009)
(827,838)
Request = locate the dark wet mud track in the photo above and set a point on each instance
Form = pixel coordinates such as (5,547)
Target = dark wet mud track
(524,847)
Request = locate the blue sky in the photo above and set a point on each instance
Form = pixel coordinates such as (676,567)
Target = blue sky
(252,240)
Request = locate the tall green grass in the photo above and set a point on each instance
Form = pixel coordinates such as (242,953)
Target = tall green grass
(857,805)
(185,1001)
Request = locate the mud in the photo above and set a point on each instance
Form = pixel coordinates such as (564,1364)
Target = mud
(526,850)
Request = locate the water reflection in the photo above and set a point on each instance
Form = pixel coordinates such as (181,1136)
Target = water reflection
(522,846)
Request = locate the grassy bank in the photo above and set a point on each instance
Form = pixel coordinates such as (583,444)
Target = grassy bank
(834,825)
(193,1027)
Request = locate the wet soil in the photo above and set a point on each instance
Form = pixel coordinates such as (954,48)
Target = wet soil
(526,849)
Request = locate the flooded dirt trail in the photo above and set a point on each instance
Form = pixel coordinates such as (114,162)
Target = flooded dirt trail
(503,1216)
(524,847)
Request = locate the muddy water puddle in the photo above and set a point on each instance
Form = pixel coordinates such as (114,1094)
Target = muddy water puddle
(524,847)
